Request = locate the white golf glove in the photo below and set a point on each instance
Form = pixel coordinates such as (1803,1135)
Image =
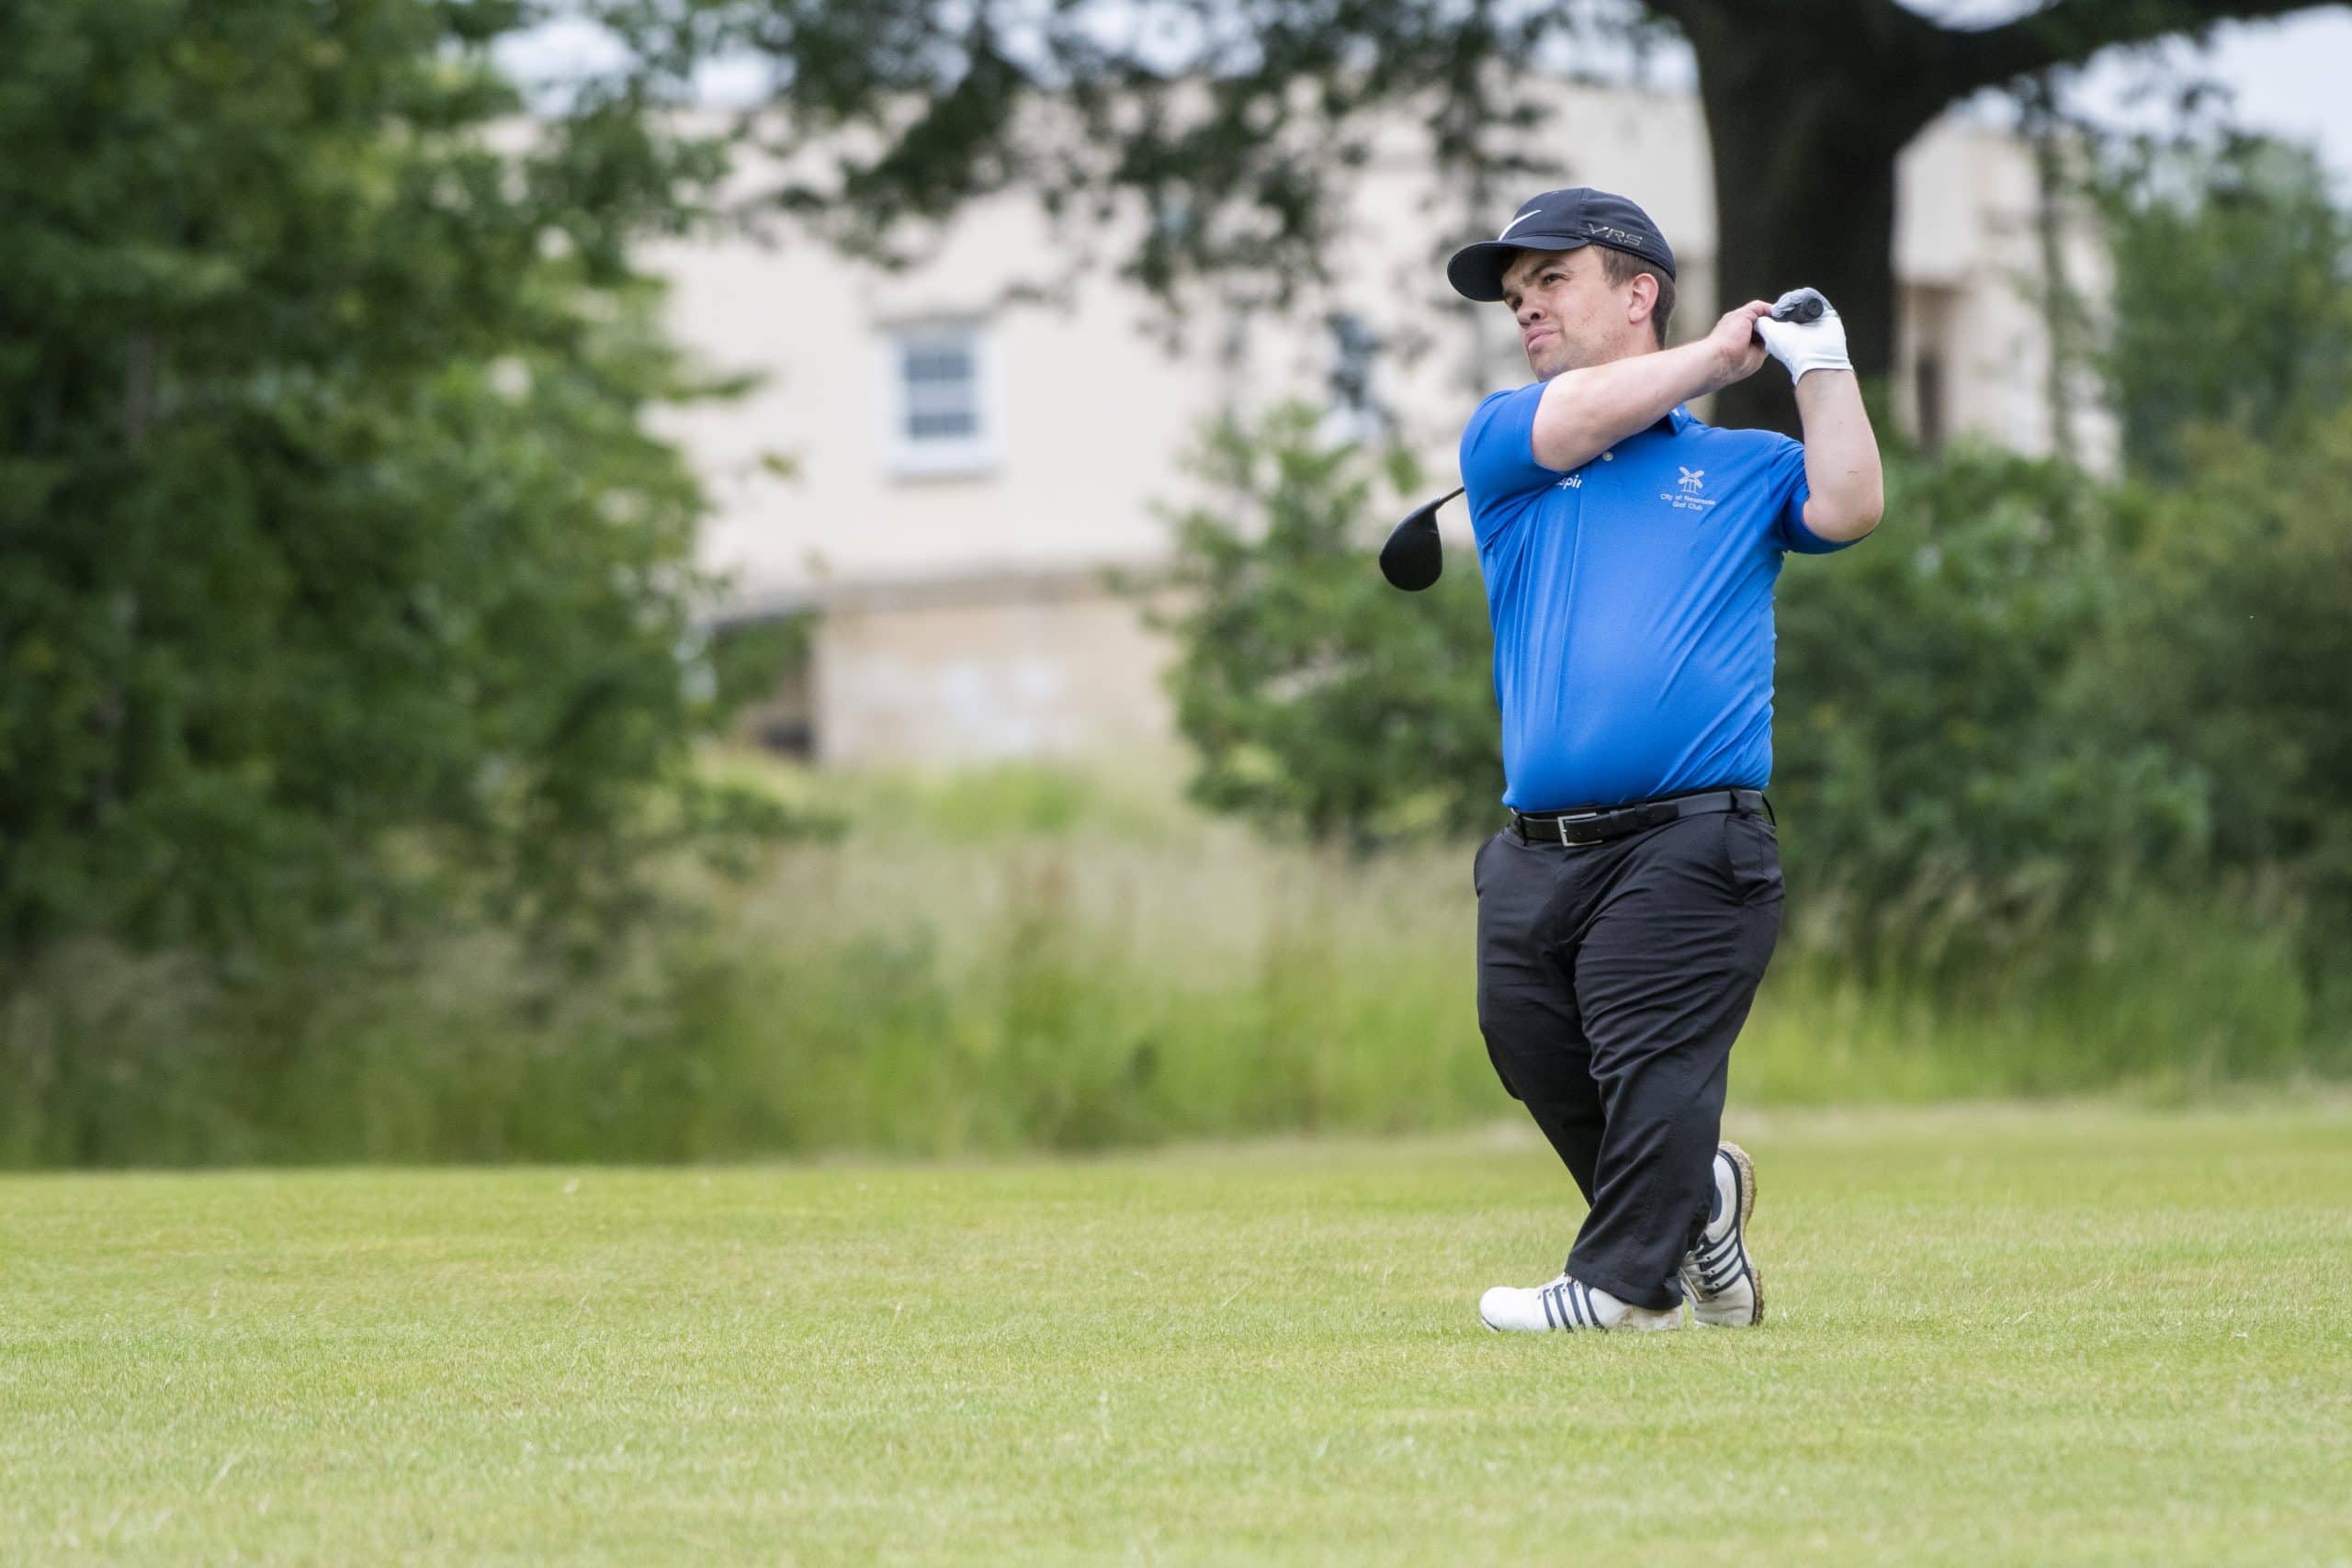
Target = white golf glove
(1801,345)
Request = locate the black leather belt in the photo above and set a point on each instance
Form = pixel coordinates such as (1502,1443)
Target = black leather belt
(1600,824)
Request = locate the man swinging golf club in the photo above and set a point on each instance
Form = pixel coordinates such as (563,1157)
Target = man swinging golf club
(1627,913)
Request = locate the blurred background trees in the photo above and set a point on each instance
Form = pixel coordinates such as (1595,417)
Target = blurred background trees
(343,580)
(1315,707)
(2232,310)
(1233,130)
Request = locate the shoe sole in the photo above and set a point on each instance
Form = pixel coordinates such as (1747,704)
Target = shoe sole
(1745,1168)
(1681,1320)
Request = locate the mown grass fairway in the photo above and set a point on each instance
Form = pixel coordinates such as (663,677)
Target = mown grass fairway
(2076,1335)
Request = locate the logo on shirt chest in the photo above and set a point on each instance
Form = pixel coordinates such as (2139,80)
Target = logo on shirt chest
(1689,492)
(1572,481)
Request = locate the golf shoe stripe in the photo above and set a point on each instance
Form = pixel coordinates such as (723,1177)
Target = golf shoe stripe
(1544,1296)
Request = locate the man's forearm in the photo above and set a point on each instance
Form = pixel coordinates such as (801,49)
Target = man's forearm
(1841,462)
(1584,412)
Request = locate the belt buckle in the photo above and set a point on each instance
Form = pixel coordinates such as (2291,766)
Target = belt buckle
(1565,818)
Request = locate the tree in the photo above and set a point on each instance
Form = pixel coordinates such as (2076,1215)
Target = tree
(1231,125)
(1810,102)
(2233,297)
(1318,704)
(2238,648)
(1947,736)
(337,572)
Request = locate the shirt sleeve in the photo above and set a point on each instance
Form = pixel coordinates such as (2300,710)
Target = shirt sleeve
(1787,524)
(1499,466)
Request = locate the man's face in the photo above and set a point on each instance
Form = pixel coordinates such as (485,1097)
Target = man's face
(1569,314)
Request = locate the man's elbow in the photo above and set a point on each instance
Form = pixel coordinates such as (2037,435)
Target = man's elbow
(1565,436)
(1844,519)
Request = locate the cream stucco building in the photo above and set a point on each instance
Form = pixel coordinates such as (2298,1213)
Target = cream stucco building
(959,469)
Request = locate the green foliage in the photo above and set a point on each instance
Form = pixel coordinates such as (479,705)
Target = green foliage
(1939,751)
(1318,697)
(1225,138)
(2233,294)
(2239,648)
(1071,989)
(340,575)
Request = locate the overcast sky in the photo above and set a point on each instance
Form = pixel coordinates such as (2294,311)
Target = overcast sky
(2292,77)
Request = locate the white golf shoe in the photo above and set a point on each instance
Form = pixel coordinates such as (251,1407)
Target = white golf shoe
(1726,1290)
(1569,1305)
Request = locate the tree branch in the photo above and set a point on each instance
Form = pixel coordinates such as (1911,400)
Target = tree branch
(2071,31)
(1676,11)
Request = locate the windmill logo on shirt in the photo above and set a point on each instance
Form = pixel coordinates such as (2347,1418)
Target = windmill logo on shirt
(1687,495)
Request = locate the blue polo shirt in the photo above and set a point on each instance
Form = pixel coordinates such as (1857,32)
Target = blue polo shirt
(1632,601)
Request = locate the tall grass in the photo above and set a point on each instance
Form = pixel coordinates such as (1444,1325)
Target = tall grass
(1018,960)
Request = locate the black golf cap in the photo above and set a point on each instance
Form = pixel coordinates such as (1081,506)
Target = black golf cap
(1558,220)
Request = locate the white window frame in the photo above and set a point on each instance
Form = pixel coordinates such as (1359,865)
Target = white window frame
(941,458)
(1367,423)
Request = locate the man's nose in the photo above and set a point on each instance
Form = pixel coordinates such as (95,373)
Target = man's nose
(1529,314)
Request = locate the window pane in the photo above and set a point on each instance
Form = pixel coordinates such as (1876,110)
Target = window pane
(939,390)
(930,395)
(944,426)
(950,362)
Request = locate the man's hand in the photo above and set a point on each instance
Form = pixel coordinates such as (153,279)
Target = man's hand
(1805,332)
(1737,353)
(1848,491)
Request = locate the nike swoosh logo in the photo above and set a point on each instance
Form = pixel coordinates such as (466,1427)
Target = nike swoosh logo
(1517,222)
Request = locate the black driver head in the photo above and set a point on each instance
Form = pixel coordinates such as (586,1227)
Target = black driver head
(1414,556)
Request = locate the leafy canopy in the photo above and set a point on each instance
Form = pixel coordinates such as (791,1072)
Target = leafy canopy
(338,572)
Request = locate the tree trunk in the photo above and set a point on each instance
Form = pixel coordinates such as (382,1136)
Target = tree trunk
(1804,146)
(2059,309)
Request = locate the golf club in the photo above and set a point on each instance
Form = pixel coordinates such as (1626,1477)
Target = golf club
(1801,305)
(1414,556)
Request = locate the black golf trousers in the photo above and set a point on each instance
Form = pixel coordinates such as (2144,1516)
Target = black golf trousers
(1613,979)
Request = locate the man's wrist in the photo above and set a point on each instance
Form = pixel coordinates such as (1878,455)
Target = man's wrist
(1722,367)
(1820,381)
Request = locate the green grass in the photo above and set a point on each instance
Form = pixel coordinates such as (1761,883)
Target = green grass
(1997,1334)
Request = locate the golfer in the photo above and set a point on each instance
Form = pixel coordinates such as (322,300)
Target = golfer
(1626,914)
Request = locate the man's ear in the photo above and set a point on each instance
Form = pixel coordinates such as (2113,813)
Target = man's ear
(1643,300)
